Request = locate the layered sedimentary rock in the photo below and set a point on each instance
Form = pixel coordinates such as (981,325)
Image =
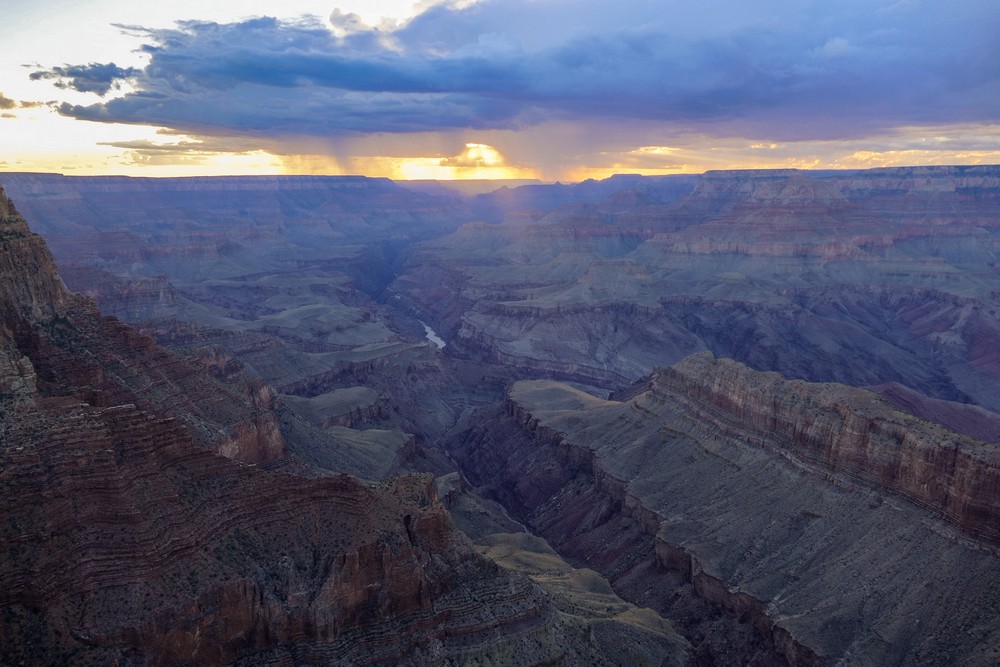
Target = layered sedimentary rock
(123,541)
(173,221)
(128,299)
(272,278)
(269,278)
(844,531)
(74,352)
(862,277)
(774,521)
(847,432)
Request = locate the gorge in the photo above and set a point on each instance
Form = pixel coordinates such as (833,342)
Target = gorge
(738,418)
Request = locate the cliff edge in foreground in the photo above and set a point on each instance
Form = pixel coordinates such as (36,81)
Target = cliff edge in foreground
(845,531)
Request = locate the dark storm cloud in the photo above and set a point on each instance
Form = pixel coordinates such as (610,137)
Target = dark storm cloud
(98,78)
(792,68)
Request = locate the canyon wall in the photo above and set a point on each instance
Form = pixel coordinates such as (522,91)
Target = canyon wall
(842,530)
(846,431)
(774,521)
(860,277)
(126,538)
(864,277)
(277,279)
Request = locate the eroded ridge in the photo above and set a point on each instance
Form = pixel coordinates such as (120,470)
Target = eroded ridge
(805,509)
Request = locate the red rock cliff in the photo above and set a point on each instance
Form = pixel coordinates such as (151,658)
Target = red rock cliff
(846,431)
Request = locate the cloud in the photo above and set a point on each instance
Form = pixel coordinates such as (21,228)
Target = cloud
(838,47)
(185,146)
(182,151)
(781,70)
(7,103)
(474,156)
(93,78)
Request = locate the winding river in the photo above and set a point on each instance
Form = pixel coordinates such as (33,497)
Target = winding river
(433,337)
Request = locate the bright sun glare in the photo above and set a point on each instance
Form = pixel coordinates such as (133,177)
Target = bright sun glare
(475,161)
(482,154)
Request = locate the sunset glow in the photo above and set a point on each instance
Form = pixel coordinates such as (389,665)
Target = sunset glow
(493,90)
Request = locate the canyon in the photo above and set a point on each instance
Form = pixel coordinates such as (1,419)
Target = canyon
(863,278)
(151,515)
(737,418)
(840,528)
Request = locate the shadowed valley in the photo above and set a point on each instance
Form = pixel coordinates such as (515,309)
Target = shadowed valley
(741,418)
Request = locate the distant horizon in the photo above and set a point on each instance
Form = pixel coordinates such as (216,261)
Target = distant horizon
(527,181)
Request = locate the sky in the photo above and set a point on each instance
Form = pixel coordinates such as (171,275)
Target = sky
(548,89)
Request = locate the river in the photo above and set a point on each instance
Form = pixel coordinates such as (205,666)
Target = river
(433,337)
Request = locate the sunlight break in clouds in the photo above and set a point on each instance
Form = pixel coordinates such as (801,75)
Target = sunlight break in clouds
(816,79)
(476,161)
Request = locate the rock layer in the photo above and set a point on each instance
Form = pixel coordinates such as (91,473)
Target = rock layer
(125,542)
(861,277)
(845,431)
(845,531)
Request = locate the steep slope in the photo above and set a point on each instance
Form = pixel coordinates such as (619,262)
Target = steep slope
(122,541)
(74,352)
(844,531)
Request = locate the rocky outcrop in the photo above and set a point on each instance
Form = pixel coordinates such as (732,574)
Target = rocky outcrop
(73,351)
(259,439)
(562,493)
(123,541)
(846,431)
(31,288)
(128,299)
(844,531)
